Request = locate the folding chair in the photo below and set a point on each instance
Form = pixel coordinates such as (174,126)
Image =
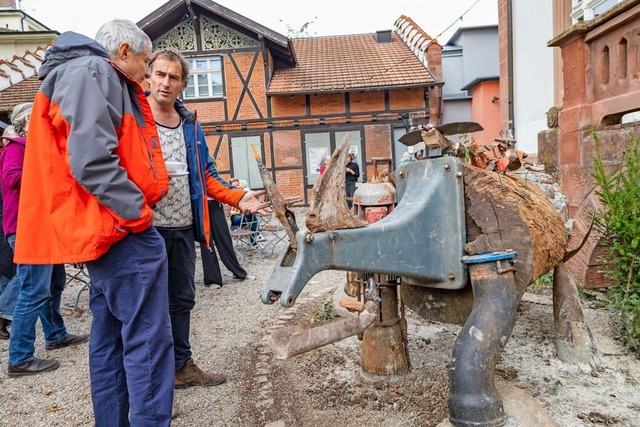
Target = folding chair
(77,273)
(274,233)
(245,234)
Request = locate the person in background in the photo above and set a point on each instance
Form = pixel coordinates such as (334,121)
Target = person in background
(183,215)
(351,177)
(7,267)
(93,172)
(221,240)
(246,220)
(325,163)
(36,289)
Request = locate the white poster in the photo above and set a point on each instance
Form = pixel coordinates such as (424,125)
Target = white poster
(316,157)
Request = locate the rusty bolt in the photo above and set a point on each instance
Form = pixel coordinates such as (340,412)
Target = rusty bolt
(452,277)
(401,174)
(447,167)
(308,237)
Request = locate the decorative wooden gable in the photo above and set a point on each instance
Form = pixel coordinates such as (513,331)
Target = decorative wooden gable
(205,26)
(213,36)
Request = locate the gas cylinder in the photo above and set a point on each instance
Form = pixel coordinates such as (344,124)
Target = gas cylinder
(375,199)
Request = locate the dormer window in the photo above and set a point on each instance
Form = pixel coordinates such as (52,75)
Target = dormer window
(206,78)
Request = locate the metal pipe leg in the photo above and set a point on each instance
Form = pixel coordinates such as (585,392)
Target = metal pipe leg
(473,398)
(574,342)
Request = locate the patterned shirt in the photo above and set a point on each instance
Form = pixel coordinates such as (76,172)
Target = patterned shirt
(175,209)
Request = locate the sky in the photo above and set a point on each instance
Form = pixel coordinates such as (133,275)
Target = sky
(326,17)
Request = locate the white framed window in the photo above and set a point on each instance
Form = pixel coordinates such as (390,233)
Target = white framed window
(585,10)
(205,80)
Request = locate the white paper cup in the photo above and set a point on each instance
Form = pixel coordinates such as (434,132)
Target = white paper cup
(176,168)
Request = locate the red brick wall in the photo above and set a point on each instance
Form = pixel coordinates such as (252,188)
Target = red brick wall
(288,106)
(290,182)
(289,148)
(208,111)
(330,103)
(222,158)
(234,85)
(367,101)
(378,139)
(405,99)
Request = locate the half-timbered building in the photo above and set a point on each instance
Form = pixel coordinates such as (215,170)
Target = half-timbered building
(295,99)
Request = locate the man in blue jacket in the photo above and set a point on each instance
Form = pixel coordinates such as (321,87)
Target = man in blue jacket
(182,216)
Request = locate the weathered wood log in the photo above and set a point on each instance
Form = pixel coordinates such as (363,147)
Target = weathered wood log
(289,342)
(505,212)
(278,202)
(328,208)
(502,212)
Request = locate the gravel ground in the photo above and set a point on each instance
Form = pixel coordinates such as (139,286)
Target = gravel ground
(224,322)
(230,331)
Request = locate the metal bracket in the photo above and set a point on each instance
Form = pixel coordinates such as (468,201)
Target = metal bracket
(496,257)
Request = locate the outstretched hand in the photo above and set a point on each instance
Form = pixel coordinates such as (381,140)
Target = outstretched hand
(251,203)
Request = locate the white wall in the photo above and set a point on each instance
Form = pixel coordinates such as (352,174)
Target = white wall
(532,70)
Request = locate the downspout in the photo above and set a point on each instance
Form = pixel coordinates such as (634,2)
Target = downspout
(24,16)
(511,119)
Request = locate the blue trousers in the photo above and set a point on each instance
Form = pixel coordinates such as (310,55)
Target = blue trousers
(131,349)
(248,221)
(39,289)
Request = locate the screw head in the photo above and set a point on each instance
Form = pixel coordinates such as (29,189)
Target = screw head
(401,174)
(447,167)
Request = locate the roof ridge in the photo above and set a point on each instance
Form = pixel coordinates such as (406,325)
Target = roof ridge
(30,65)
(416,39)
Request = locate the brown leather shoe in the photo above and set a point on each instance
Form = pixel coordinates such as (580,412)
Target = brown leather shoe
(190,375)
(4,333)
(33,367)
(70,339)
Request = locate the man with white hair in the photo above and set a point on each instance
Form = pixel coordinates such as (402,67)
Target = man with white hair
(93,173)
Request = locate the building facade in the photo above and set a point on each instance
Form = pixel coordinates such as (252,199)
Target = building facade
(295,99)
(589,73)
(20,32)
(470,64)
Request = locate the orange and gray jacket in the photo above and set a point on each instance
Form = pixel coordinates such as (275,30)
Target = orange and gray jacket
(93,165)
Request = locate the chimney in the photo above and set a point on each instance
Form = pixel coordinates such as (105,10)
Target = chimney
(8,4)
(383,36)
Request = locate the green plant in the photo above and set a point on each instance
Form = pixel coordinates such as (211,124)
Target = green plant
(541,284)
(325,314)
(595,298)
(303,31)
(619,226)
